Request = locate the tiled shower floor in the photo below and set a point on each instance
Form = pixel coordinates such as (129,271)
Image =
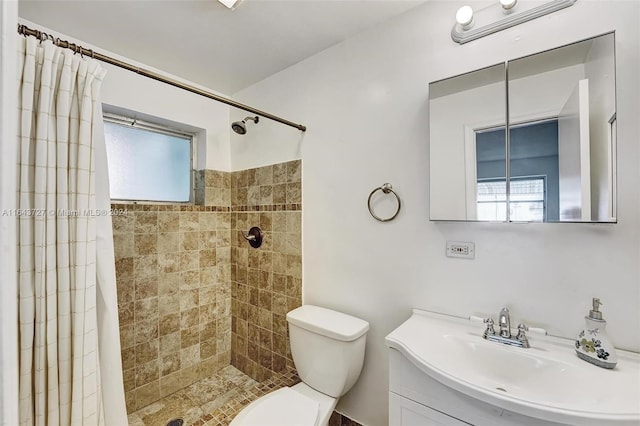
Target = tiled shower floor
(212,401)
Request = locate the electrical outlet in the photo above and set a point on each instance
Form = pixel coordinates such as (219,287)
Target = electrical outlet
(461,249)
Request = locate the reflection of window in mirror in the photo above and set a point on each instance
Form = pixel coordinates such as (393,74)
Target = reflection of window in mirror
(528,197)
(534,173)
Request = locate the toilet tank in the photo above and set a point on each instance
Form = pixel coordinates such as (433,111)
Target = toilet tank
(327,348)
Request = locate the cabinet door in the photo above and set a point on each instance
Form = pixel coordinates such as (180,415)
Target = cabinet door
(405,412)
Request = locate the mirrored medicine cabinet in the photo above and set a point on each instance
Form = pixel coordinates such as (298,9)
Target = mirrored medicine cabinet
(529,140)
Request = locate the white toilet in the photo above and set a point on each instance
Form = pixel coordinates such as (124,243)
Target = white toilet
(328,350)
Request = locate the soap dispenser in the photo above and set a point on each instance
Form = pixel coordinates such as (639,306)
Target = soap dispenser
(593,344)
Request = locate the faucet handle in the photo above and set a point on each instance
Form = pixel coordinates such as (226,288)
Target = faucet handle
(521,329)
(490,329)
(522,337)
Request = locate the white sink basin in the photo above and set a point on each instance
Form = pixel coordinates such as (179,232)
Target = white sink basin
(546,381)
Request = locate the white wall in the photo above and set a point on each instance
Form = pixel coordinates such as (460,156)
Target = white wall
(8,225)
(154,100)
(365,102)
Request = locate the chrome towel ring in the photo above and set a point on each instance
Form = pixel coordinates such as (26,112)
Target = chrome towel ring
(385,188)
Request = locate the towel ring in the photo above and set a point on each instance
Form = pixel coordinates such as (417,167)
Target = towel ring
(385,188)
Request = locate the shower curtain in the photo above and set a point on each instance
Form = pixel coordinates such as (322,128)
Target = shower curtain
(70,367)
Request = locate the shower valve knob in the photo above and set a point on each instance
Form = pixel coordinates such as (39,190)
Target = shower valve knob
(254,237)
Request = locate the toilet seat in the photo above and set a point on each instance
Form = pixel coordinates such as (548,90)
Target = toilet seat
(284,407)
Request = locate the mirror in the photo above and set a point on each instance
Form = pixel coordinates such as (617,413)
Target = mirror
(459,107)
(555,143)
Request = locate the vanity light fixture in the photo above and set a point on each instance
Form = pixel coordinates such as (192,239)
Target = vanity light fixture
(231,4)
(471,25)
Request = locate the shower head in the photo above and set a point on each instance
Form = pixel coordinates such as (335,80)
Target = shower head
(240,127)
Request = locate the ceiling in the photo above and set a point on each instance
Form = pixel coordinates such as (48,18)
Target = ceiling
(206,43)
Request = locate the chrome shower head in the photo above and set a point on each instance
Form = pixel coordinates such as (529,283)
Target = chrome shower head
(240,127)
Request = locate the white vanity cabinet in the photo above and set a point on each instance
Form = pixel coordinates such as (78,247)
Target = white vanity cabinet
(415,399)
(442,372)
(403,411)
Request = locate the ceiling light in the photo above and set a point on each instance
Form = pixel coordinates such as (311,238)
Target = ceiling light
(229,3)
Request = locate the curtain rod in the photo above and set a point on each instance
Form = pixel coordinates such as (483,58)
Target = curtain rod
(26,31)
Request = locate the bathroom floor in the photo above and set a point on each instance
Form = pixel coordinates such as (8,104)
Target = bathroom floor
(212,401)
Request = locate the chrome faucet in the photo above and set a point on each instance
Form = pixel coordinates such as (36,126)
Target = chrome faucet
(504,320)
(505,337)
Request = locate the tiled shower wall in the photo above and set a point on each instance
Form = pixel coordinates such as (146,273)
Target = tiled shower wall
(267,281)
(193,296)
(173,268)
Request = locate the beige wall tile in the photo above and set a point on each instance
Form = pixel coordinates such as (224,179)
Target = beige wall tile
(168,304)
(146,310)
(129,359)
(207,258)
(145,330)
(145,266)
(123,245)
(294,171)
(190,337)
(171,383)
(294,192)
(189,299)
(127,336)
(189,240)
(170,343)
(147,394)
(189,221)
(189,318)
(147,373)
(124,268)
(146,222)
(169,364)
(190,356)
(123,224)
(168,262)
(145,244)
(189,260)
(168,221)
(168,283)
(146,288)
(168,242)
(147,351)
(126,313)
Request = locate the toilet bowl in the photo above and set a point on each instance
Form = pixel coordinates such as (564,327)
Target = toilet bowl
(328,351)
(290,406)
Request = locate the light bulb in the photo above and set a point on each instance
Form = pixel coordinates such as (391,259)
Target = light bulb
(464,16)
(508,4)
(229,3)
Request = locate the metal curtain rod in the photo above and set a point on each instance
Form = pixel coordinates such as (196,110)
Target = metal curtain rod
(26,31)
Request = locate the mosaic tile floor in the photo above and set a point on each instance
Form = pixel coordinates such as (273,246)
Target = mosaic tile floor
(213,401)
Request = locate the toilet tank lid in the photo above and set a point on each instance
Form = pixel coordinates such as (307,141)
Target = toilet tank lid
(327,322)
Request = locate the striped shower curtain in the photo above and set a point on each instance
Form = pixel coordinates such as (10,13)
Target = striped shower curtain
(61,296)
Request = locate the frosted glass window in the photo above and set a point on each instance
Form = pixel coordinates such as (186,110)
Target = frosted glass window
(147,164)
